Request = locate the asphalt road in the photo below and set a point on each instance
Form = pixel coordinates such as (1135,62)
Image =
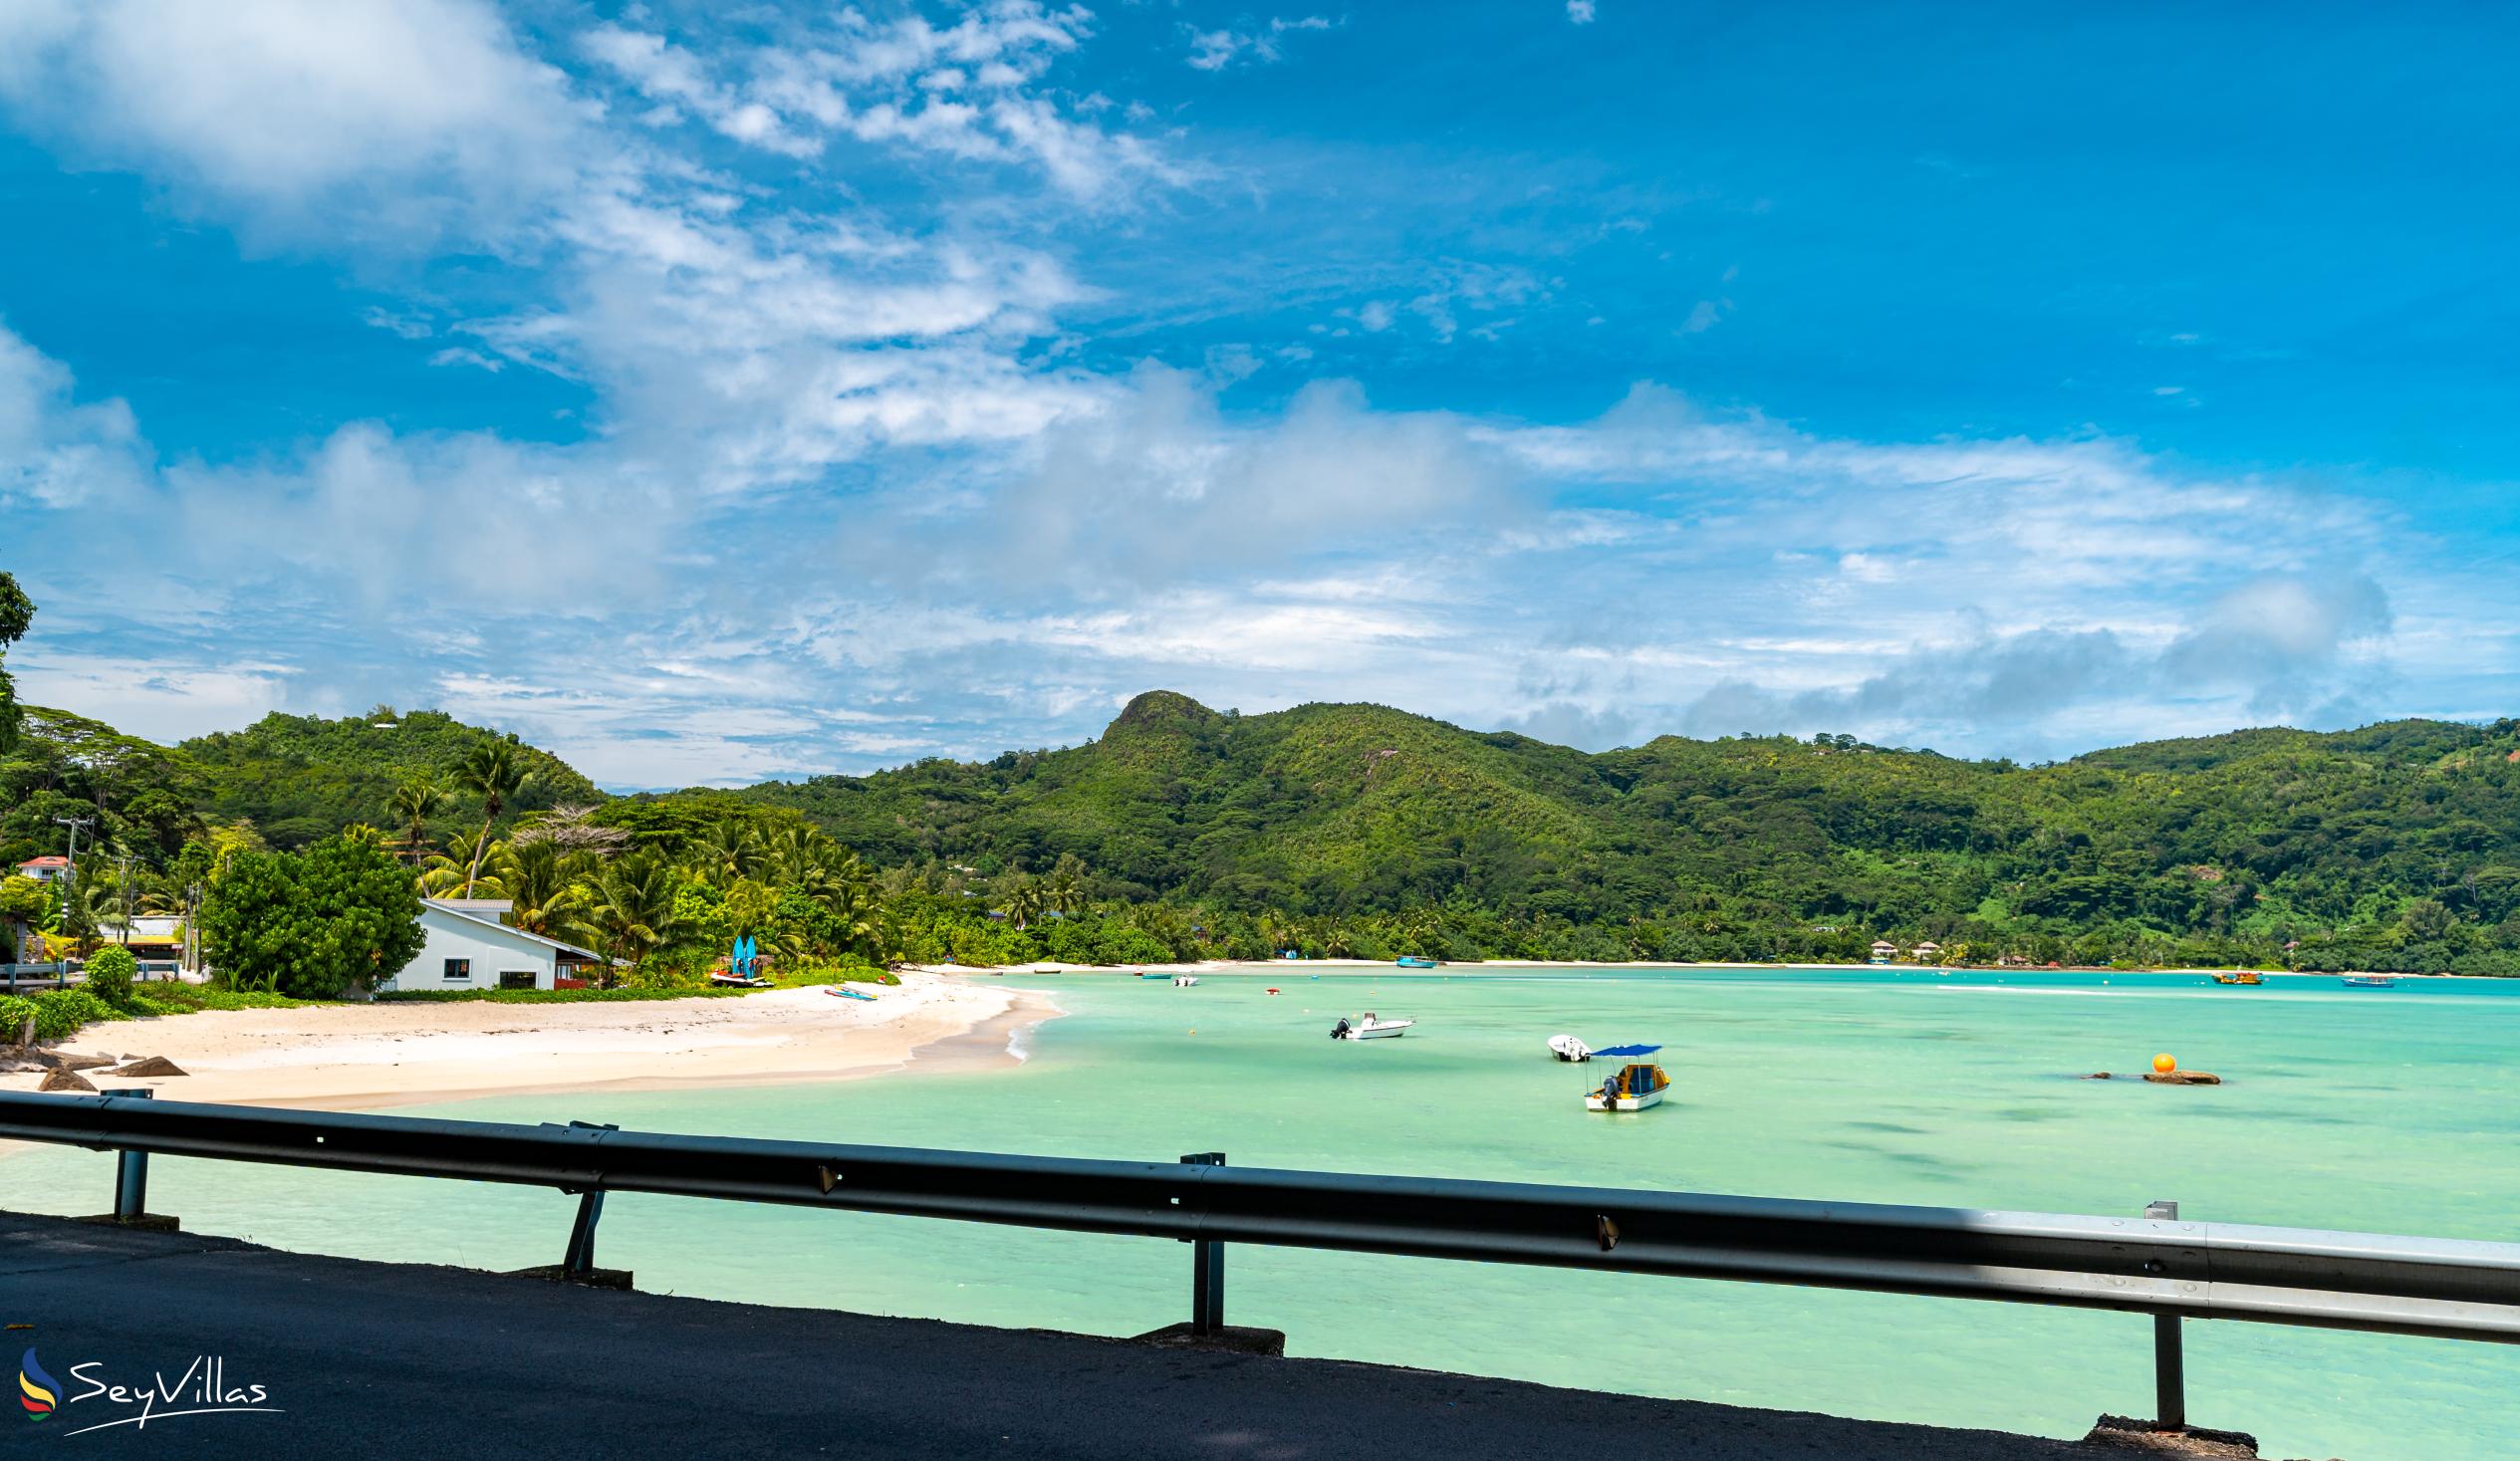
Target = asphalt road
(390,1360)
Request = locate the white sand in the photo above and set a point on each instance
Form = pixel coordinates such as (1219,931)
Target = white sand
(358,1056)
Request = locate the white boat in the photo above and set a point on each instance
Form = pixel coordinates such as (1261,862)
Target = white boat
(1369,1028)
(1184,981)
(1634,1089)
(1568,1048)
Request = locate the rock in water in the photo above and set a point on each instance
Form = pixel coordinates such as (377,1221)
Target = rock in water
(67,1081)
(150,1066)
(2182,1077)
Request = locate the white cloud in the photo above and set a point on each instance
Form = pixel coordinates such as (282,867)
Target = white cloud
(1261,45)
(1580,11)
(408,118)
(163,701)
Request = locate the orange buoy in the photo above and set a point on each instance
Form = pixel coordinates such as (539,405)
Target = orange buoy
(2164,1062)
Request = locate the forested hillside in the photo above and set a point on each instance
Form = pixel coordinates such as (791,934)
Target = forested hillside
(2397,845)
(1360,829)
(292,779)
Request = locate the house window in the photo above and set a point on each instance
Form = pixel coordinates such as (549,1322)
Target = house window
(460,969)
(516,979)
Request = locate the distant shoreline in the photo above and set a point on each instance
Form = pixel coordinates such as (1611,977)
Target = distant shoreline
(1507,966)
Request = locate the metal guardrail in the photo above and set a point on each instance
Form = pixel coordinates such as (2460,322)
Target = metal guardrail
(2156,1264)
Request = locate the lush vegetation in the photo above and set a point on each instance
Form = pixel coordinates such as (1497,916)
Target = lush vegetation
(1361,829)
(16,613)
(339,917)
(300,779)
(1331,830)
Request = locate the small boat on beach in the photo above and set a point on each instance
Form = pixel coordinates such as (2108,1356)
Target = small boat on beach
(739,981)
(1635,1088)
(1369,1028)
(2368,981)
(1413,961)
(837,992)
(2243,977)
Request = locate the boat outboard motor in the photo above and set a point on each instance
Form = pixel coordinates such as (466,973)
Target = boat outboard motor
(1340,1030)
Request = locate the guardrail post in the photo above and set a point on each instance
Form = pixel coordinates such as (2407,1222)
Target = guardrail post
(131,1172)
(2169,1357)
(578,1261)
(1207,1266)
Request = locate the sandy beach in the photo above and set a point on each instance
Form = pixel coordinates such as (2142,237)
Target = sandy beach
(366,1056)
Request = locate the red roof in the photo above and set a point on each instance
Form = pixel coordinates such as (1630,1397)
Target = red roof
(45,862)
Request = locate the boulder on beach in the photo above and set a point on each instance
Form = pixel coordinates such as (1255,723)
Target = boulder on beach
(67,1081)
(2182,1077)
(148,1065)
(69,1062)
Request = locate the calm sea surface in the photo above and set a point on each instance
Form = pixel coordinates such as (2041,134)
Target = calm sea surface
(2385,1111)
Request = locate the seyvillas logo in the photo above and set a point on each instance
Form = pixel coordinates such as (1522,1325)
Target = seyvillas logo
(102,1401)
(37,1391)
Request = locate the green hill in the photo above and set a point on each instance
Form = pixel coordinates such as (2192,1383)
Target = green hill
(2395,845)
(2398,841)
(299,778)
(296,778)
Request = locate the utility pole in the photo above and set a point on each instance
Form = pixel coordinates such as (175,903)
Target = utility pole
(123,877)
(74,824)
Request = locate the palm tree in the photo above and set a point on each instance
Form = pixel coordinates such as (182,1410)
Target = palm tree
(633,911)
(471,860)
(542,882)
(494,770)
(1023,900)
(1064,888)
(413,804)
(728,852)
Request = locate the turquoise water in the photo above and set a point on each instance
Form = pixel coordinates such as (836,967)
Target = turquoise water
(2387,1110)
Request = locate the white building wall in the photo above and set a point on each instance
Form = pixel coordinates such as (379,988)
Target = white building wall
(489,952)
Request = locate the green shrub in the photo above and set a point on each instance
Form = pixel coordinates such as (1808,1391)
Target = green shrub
(173,998)
(60,1013)
(15,1011)
(110,975)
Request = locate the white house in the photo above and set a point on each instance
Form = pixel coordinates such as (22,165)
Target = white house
(45,870)
(470,948)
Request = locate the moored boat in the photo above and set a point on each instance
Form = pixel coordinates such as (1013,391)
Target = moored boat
(1184,981)
(2370,981)
(1568,1048)
(2243,977)
(1635,1088)
(1369,1028)
(1413,961)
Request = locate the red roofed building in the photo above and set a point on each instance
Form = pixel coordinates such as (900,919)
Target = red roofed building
(45,870)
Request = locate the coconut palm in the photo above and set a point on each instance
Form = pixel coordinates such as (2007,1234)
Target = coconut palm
(1064,888)
(469,867)
(1023,900)
(633,909)
(727,852)
(543,885)
(494,770)
(413,804)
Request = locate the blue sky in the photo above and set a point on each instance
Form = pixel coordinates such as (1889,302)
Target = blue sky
(714,393)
